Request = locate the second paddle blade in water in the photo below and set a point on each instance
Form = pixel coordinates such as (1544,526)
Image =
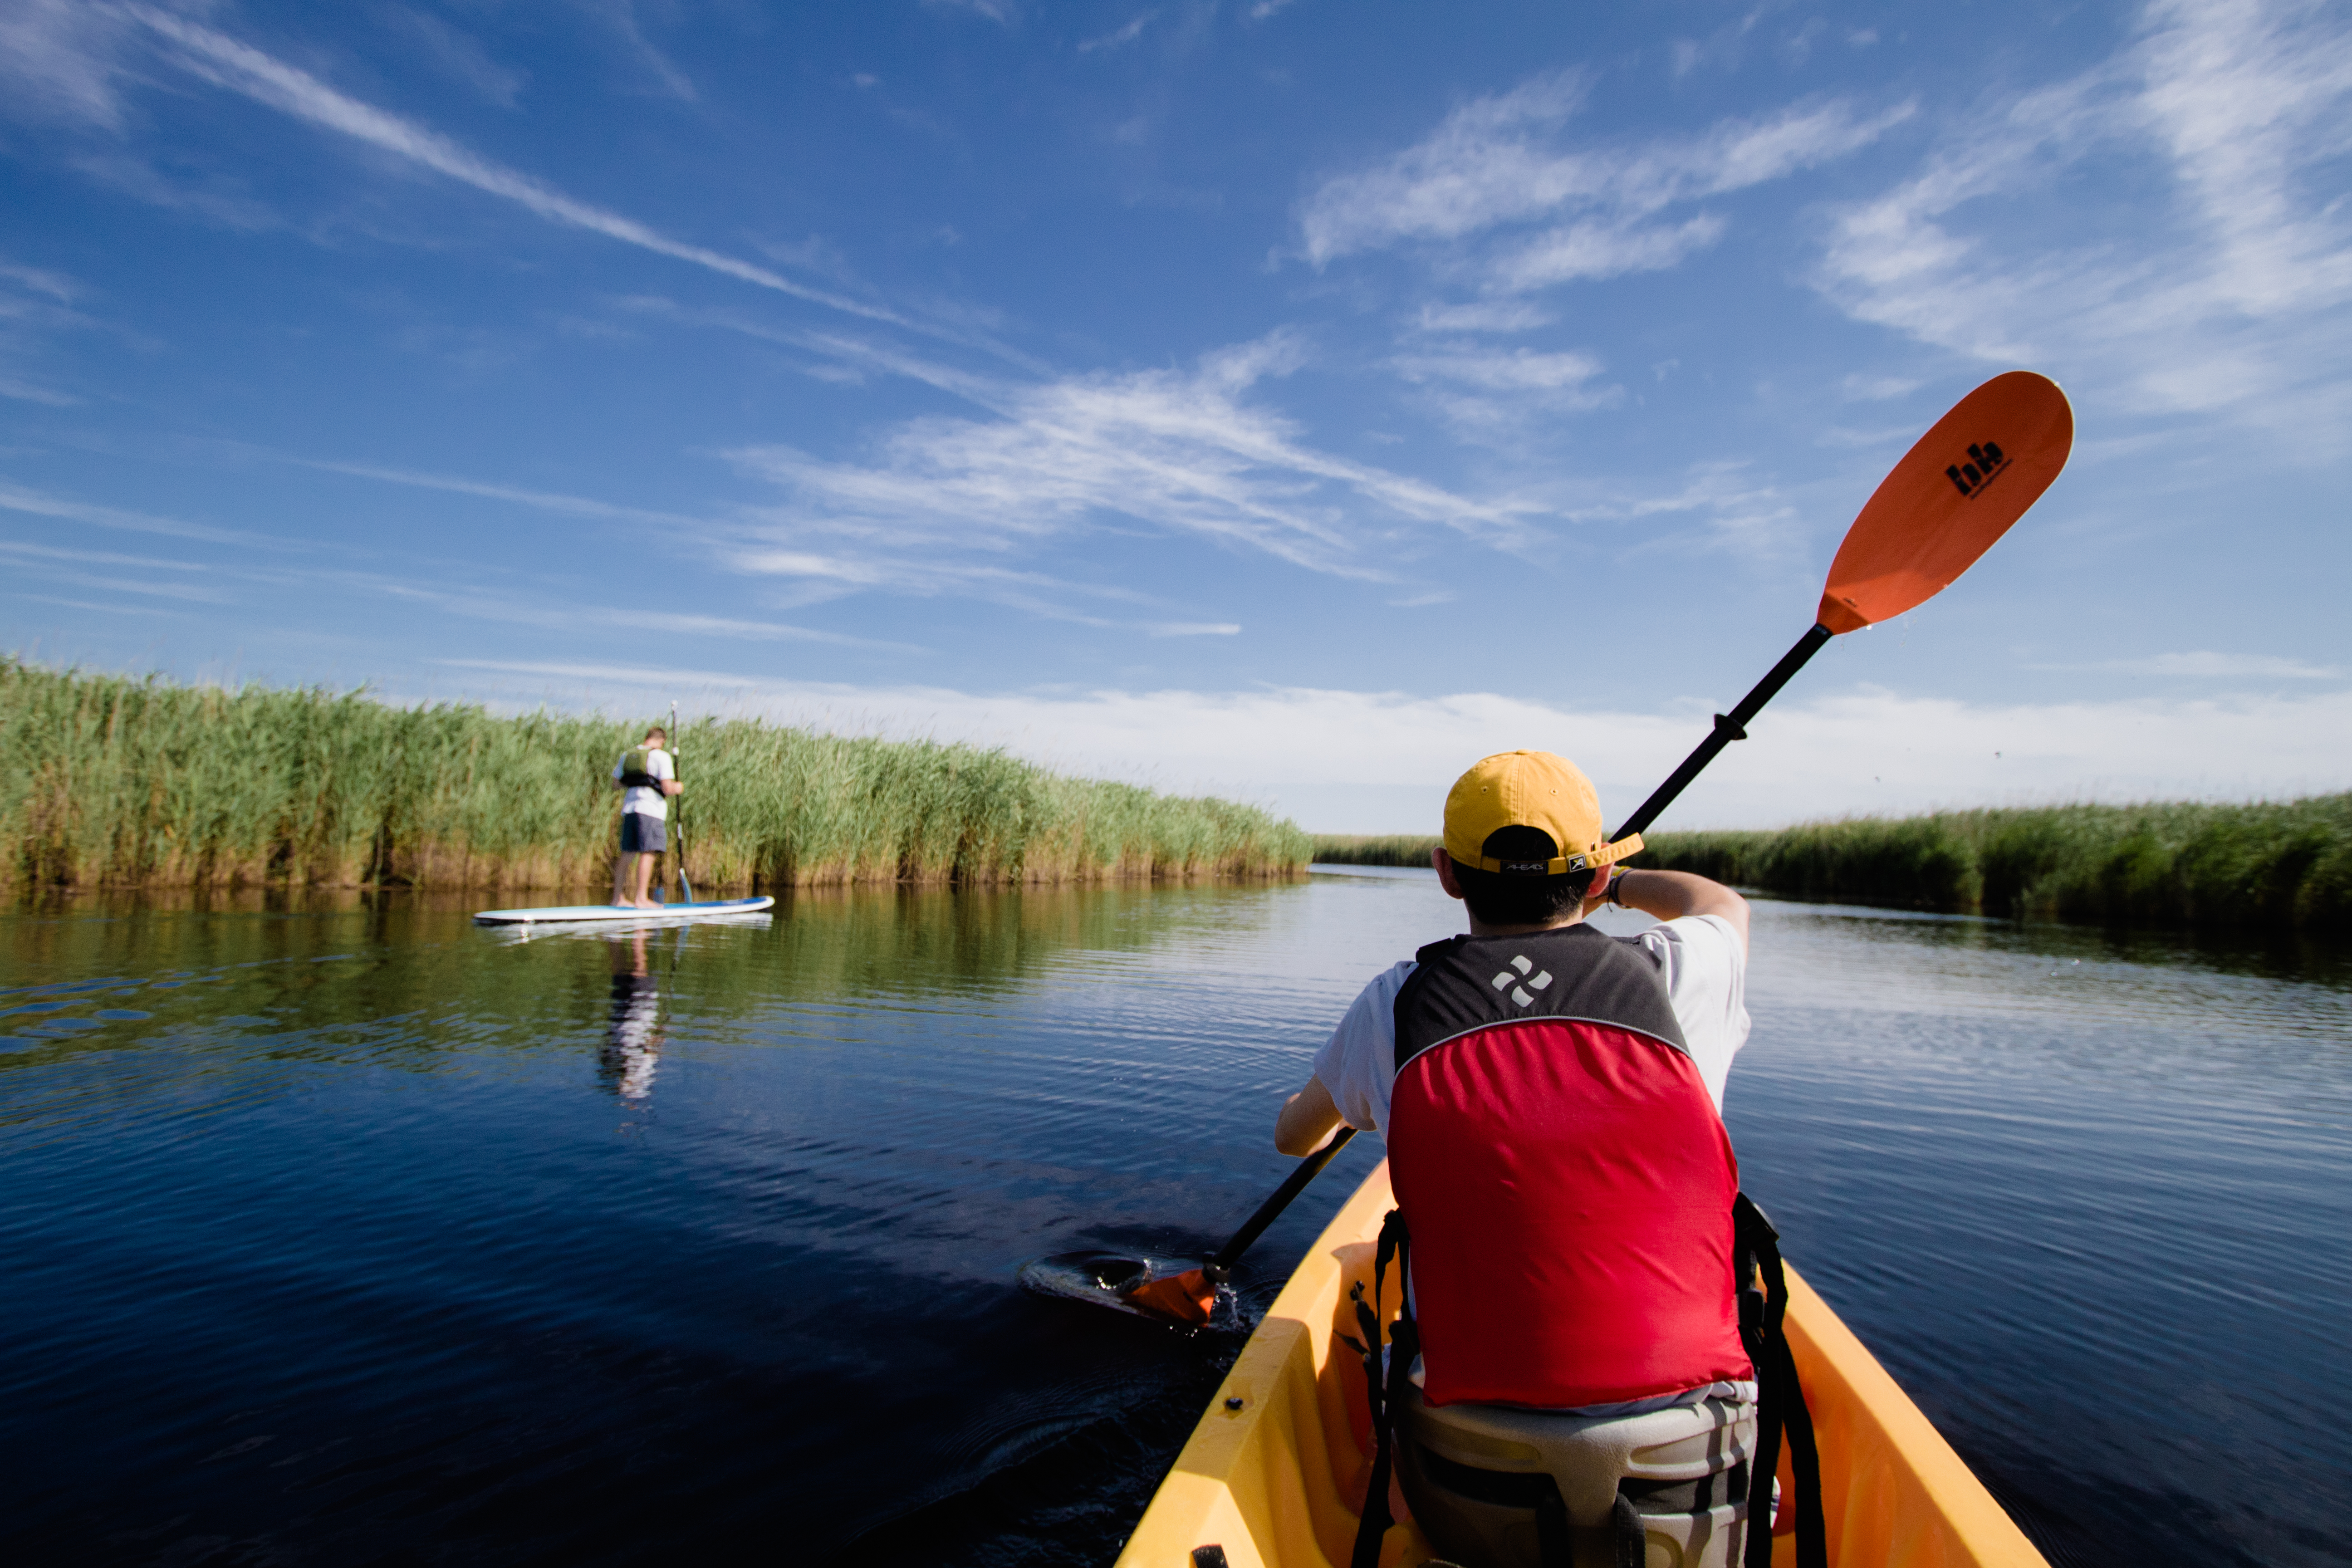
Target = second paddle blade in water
(1105,1278)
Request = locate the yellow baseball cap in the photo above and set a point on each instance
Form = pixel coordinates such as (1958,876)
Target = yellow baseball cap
(1530,789)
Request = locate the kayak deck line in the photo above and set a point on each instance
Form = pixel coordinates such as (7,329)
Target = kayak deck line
(1276,1471)
(571,914)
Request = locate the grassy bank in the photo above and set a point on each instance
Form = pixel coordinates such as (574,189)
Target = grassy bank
(2276,864)
(2272,866)
(141,783)
(1374,850)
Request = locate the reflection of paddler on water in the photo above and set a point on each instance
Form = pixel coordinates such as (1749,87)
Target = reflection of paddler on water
(632,1049)
(649,776)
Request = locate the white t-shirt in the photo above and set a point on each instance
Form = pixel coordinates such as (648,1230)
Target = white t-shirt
(1700,957)
(639,797)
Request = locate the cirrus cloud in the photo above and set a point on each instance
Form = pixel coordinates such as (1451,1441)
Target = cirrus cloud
(1494,187)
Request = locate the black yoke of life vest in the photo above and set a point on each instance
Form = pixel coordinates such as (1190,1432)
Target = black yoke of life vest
(1604,979)
(1578,971)
(634,774)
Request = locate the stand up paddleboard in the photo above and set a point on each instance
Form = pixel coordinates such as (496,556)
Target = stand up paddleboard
(569,914)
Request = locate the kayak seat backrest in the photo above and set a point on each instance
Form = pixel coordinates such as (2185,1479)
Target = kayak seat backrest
(1494,1487)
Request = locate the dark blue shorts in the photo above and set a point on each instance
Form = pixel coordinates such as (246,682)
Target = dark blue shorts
(643,834)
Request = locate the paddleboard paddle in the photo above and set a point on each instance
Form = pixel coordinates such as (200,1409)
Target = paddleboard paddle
(1137,1285)
(1949,500)
(677,812)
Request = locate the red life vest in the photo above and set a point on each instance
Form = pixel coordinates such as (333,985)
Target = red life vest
(1565,1176)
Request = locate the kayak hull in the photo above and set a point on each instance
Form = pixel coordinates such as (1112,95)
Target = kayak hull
(584,914)
(1274,1473)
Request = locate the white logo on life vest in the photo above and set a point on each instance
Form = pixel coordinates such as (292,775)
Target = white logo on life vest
(1522,994)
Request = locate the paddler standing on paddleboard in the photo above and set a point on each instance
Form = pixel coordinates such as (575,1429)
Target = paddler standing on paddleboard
(649,776)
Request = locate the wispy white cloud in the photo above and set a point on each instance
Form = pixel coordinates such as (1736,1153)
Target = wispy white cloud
(601,621)
(620,16)
(1120,36)
(540,500)
(93,557)
(214,198)
(1004,13)
(1487,393)
(1480,184)
(744,541)
(57,61)
(1604,249)
(1509,370)
(2206,664)
(458,55)
(1489,316)
(184,592)
(1189,452)
(1878,388)
(851,566)
(35,304)
(100,606)
(635,675)
(1718,506)
(39,281)
(38,503)
(1265,9)
(79,50)
(28,561)
(2233,295)
(32,392)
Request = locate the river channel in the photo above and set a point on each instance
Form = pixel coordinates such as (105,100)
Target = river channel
(345,1232)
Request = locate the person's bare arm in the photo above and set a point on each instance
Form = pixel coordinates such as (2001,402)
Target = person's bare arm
(1307,1120)
(671,786)
(1671,895)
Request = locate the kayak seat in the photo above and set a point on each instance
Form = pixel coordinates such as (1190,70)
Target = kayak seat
(1494,1487)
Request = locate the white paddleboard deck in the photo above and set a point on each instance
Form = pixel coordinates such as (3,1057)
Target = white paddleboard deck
(569,914)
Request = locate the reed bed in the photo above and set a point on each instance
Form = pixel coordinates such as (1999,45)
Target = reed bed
(2270,864)
(1374,849)
(145,783)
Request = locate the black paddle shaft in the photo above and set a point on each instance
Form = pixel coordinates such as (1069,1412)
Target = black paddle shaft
(1268,1211)
(1729,727)
(678,817)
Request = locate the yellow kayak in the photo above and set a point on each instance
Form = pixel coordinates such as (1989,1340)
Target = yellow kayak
(1274,1474)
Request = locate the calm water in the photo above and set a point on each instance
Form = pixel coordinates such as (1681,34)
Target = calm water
(354,1234)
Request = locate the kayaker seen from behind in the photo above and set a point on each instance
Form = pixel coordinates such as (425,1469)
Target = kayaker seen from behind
(1551,1099)
(650,777)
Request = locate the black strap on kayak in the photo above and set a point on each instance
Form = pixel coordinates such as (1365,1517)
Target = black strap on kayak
(1386,1392)
(1781,1400)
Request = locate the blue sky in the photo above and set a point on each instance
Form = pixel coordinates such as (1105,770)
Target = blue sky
(1293,399)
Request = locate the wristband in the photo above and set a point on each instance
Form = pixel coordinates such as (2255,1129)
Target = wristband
(1617,889)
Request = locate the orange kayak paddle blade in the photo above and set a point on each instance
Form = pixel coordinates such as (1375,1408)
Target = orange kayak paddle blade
(1188,1298)
(1950,499)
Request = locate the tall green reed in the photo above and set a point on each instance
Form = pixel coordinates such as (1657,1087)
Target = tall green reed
(143,782)
(1374,849)
(2273,864)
